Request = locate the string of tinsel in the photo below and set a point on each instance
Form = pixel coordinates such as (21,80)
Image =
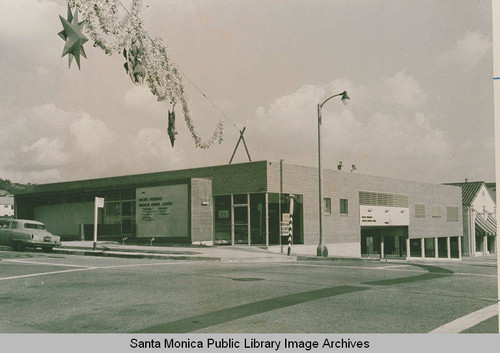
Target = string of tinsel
(112,29)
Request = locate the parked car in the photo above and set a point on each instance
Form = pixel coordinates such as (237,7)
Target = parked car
(21,234)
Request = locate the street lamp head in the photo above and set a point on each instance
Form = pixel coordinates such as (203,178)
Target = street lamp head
(345,98)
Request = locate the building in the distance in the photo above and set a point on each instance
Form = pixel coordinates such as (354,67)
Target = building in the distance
(6,204)
(479,218)
(364,216)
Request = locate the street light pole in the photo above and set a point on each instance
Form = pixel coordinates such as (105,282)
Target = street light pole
(322,250)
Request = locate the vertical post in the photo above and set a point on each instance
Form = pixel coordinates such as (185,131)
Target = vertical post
(232,220)
(460,248)
(422,248)
(472,233)
(267,218)
(485,245)
(436,250)
(95,223)
(279,205)
(290,229)
(381,247)
(248,221)
(407,248)
(321,250)
(448,250)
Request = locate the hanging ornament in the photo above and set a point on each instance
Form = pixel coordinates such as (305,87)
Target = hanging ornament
(133,66)
(72,35)
(114,28)
(171,126)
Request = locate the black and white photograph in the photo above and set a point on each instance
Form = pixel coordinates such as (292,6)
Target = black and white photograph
(248,175)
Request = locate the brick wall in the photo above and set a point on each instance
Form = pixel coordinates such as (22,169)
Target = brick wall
(201,210)
(346,185)
(234,178)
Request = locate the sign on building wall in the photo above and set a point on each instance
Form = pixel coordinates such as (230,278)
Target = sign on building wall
(162,211)
(384,216)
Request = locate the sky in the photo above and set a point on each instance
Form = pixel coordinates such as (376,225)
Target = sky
(418,72)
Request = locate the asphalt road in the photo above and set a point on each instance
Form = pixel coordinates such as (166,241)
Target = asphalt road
(54,293)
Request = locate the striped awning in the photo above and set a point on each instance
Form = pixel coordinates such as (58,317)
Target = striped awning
(486,226)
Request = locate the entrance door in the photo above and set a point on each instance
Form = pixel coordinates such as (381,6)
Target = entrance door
(370,243)
(240,219)
(394,246)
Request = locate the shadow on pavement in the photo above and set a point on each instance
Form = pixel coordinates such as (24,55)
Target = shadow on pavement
(218,317)
(434,272)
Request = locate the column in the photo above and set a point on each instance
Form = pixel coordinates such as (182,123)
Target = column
(248,221)
(460,248)
(267,219)
(381,247)
(448,250)
(472,234)
(485,245)
(407,248)
(436,250)
(422,247)
(232,220)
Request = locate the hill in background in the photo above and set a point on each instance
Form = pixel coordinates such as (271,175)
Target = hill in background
(14,188)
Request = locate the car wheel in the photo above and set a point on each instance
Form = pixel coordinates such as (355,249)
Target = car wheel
(18,246)
(47,249)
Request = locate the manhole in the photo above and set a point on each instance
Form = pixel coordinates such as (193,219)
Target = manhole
(247,279)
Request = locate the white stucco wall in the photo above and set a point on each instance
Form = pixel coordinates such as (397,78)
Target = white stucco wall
(484,202)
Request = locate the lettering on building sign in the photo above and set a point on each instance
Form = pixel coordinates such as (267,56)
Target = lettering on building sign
(154,208)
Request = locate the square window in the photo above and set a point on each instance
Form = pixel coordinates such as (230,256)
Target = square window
(344,206)
(419,210)
(452,213)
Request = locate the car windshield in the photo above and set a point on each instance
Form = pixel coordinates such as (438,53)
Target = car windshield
(34,226)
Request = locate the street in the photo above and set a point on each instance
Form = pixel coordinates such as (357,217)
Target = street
(56,293)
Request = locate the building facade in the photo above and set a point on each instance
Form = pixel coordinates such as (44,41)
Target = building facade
(479,218)
(6,205)
(244,204)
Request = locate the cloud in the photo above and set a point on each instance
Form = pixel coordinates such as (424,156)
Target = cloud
(372,132)
(467,51)
(44,153)
(91,135)
(403,90)
(48,144)
(152,148)
(23,20)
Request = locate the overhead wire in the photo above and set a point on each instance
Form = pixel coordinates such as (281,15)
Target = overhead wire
(192,82)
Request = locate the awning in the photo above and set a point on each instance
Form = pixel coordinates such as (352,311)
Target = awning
(486,226)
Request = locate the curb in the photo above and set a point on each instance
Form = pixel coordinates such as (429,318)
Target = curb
(159,256)
(132,255)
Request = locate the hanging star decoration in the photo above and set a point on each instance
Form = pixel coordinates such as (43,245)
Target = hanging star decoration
(72,35)
(171,126)
(115,28)
(133,66)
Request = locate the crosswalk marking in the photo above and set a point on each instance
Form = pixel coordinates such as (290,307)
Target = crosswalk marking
(468,321)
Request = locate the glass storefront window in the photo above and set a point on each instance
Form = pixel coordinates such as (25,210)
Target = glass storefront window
(240,234)
(429,247)
(415,248)
(222,214)
(126,208)
(112,196)
(128,194)
(442,247)
(258,219)
(454,247)
(241,215)
(240,199)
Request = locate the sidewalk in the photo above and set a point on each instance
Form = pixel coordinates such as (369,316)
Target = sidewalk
(220,253)
(187,253)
